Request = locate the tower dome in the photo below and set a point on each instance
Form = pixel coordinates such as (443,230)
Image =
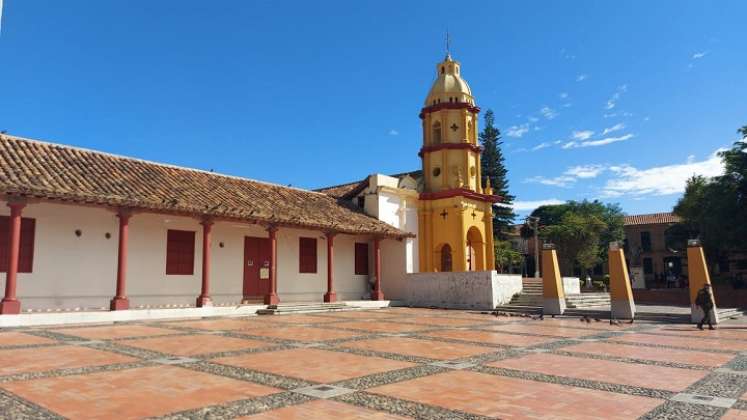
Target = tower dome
(449,85)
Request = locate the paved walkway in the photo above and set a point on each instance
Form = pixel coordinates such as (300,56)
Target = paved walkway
(379,364)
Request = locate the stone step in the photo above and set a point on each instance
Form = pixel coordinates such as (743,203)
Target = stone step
(297,308)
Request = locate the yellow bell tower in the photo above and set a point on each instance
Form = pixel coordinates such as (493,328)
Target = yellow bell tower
(455,219)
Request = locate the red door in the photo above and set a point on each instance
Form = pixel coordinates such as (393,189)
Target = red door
(256,267)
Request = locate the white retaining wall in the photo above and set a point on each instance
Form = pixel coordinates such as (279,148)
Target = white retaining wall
(465,290)
(571,285)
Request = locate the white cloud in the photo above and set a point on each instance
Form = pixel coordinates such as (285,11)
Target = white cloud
(563,95)
(582,135)
(612,102)
(558,181)
(582,77)
(517,131)
(594,143)
(541,146)
(699,55)
(533,119)
(393,132)
(548,112)
(585,171)
(531,205)
(659,180)
(616,127)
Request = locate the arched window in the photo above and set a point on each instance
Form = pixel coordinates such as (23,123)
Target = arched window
(446,258)
(436,133)
(442,69)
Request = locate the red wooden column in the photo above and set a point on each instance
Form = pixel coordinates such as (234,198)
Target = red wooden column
(207,240)
(120,301)
(377,294)
(272,297)
(10,305)
(330,296)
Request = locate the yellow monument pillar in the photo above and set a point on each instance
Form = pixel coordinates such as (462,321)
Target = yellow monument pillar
(621,294)
(553,296)
(697,271)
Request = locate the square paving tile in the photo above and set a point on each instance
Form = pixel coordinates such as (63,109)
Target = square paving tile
(190,345)
(57,357)
(442,321)
(723,332)
(735,415)
(314,364)
(685,342)
(324,409)
(657,377)
(134,393)
(419,348)
(12,338)
(603,324)
(303,333)
(652,353)
(221,324)
(364,315)
(296,319)
(381,326)
(544,329)
(497,396)
(491,337)
(110,332)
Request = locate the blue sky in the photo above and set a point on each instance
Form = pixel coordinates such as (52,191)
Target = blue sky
(619,101)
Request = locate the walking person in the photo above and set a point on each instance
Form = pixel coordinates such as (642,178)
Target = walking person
(704,300)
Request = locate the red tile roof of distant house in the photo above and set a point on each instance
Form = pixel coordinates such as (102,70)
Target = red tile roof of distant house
(651,219)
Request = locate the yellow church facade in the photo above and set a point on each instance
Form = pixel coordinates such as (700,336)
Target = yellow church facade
(455,221)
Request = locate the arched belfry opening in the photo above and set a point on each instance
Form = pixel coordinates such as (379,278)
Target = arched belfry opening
(436,133)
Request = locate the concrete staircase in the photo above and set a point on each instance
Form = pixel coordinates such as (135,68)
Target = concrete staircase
(304,308)
(587,300)
(530,299)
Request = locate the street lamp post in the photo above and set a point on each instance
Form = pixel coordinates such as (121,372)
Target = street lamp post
(533,223)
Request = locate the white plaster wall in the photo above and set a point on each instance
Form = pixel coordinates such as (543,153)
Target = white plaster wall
(80,272)
(69,271)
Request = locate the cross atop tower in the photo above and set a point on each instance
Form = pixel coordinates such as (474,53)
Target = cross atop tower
(448,45)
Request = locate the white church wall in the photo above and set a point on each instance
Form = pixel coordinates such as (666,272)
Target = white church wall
(72,271)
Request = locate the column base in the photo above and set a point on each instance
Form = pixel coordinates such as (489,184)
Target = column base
(377,295)
(553,306)
(119,304)
(204,301)
(696,314)
(10,307)
(330,297)
(272,299)
(623,309)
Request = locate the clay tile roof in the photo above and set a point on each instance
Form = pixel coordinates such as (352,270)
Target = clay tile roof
(651,219)
(351,189)
(53,171)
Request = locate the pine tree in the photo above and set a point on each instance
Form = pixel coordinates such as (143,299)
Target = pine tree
(493,167)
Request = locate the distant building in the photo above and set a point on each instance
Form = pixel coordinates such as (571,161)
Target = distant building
(651,263)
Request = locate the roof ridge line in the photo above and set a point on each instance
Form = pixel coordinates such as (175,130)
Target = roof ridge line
(150,162)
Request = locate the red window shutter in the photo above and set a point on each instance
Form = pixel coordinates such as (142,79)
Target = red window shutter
(361,259)
(26,257)
(180,252)
(307,255)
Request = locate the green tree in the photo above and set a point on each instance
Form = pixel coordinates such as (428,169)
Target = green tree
(505,255)
(715,209)
(581,231)
(492,167)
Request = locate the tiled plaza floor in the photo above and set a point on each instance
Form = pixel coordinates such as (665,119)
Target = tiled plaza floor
(379,364)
